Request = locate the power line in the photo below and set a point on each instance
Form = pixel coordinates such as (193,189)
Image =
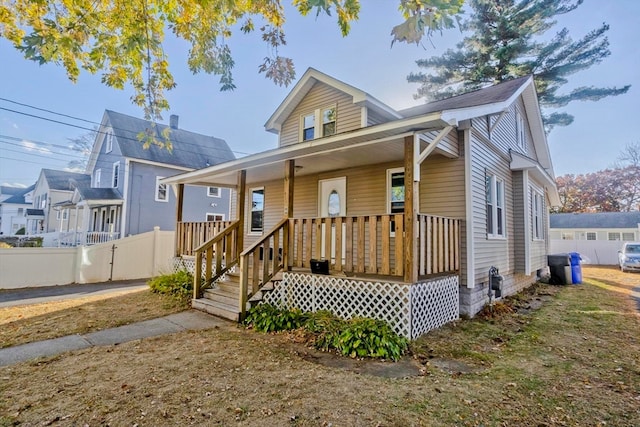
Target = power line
(46,144)
(39,150)
(49,111)
(27,161)
(88,121)
(50,156)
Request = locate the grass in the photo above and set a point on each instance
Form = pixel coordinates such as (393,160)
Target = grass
(571,362)
(37,322)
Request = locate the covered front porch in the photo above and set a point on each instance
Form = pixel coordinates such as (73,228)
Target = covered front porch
(399,246)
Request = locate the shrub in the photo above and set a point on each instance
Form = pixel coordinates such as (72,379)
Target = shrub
(178,285)
(21,231)
(363,337)
(270,318)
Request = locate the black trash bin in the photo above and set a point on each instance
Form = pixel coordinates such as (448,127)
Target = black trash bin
(576,268)
(560,268)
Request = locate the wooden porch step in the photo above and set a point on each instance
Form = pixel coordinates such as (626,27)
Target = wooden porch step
(217,308)
(221,295)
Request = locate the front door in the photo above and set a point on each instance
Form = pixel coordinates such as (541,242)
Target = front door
(332,201)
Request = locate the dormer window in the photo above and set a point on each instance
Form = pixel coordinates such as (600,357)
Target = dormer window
(322,122)
(308,127)
(108,142)
(328,121)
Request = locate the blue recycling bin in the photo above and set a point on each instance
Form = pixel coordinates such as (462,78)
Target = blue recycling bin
(576,268)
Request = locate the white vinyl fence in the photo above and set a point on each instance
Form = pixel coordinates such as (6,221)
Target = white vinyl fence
(136,257)
(597,252)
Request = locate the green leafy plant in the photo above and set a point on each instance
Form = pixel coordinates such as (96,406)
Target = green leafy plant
(358,337)
(325,327)
(270,318)
(178,285)
(363,337)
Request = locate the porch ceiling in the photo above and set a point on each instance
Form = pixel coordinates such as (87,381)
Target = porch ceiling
(376,144)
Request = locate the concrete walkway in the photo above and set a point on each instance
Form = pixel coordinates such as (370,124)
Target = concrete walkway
(191,320)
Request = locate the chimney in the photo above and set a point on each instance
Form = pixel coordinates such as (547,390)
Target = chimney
(173,121)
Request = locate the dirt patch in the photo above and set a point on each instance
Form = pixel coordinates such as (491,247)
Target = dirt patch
(403,368)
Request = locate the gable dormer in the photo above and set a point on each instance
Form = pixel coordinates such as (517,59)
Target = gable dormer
(320,106)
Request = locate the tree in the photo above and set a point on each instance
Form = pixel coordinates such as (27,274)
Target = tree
(505,42)
(123,38)
(615,189)
(81,145)
(628,166)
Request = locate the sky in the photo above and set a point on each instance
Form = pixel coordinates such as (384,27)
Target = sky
(364,59)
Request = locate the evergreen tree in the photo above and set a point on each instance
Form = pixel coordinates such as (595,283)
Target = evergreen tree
(504,42)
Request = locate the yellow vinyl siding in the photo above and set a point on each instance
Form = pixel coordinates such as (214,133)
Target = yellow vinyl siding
(442,187)
(321,96)
(448,144)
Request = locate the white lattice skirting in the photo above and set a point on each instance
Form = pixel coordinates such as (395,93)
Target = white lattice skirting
(185,263)
(411,310)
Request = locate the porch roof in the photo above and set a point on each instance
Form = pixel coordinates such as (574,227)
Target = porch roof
(35,214)
(370,145)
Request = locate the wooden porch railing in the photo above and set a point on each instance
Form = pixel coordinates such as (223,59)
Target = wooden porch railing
(439,244)
(223,248)
(353,244)
(373,244)
(261,261)
(191,235)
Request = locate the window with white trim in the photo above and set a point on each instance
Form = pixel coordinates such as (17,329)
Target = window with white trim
(257,210)
(495,207)
(591,235)
(568,235)
(214,217)
(108,137)
(613,235)
(115,175)
(97,175)
(328,121)
(319,123)
(308,127)
(162,195)
(520,130)
(213,191)
(395,190)
(628,237)
(63,213)
(538,215)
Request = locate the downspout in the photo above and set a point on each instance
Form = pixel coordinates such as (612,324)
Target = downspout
(125,194)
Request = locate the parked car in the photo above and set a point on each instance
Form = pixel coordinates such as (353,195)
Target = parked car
(629,256)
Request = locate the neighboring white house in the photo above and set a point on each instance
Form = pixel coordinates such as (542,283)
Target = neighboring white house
(14,202)
(596,236)
(52,188)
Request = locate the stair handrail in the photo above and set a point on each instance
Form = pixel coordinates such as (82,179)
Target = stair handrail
(207,248)
(245,293)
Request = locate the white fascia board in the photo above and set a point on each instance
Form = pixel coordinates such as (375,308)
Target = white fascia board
(454,116)
(534,117)
(521,162)
(301,149)
(163,165)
